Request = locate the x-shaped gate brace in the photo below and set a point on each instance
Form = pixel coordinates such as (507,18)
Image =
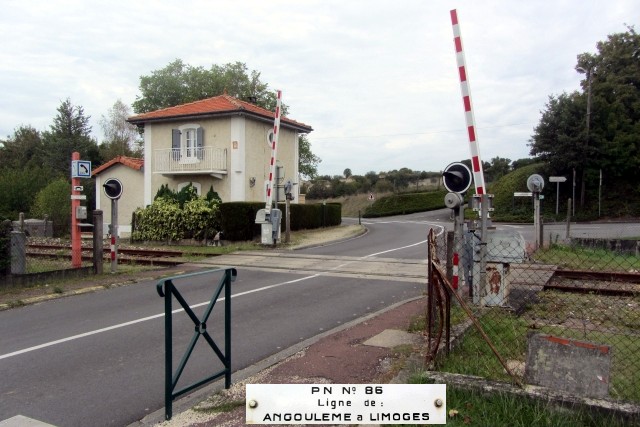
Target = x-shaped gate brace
(166,290)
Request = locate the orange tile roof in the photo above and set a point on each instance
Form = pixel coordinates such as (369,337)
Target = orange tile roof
(132,162)
(217,106)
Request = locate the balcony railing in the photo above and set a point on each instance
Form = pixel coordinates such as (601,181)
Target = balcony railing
(190,161)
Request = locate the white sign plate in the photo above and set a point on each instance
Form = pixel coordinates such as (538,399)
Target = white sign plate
(557,178)
(78,197)
(346,403)
(522,194)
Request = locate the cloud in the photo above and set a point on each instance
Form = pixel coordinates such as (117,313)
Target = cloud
(376,80)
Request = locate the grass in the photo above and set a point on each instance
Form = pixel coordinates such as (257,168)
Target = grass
(474,408)
(508,333)
(573,257)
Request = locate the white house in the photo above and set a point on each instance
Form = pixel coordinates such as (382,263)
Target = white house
(220,143)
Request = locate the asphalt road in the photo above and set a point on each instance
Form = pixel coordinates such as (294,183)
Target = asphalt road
(98,359)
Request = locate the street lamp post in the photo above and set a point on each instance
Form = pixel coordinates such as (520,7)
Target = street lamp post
(589,73)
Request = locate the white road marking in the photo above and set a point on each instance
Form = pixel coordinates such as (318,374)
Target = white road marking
(156,316)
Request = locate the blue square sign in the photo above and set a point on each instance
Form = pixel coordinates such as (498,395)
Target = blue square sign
(80,169)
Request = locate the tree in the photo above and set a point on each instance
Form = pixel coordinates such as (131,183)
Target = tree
(347,173)
(121,137)
(498,168)
(308,162)
(179,83)
(611,143)
(53,201)
(19,186)
(70,132)
(22,150)
(556,139)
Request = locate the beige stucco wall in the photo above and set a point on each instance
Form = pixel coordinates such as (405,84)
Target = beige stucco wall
(248,156)
(132,196)
(216,134)
(258,156)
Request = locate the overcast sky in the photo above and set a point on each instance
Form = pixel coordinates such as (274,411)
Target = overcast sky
(377,80)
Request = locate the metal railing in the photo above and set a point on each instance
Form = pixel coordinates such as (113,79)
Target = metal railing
(202,160)
(167,290)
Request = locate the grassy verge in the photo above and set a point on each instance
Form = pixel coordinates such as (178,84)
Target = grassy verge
(470,407)
(508,333)
(572,257)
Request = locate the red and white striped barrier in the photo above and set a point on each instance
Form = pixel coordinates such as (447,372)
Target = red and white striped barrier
(454,278)
(274,151)
(478,175)
(113,248)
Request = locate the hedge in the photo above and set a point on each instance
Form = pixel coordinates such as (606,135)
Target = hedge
(406,203)
(237,219)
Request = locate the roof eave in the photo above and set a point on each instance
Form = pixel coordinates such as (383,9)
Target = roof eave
(286,124)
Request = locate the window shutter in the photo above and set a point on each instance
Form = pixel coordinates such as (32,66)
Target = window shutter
(199,142)
(175,144)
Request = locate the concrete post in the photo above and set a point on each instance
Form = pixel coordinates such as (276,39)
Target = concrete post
(18,253)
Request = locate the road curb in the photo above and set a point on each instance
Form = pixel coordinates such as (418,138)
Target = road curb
(194,398)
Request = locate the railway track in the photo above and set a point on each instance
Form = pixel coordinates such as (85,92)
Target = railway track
(579,281)
(125,255)
(599,282)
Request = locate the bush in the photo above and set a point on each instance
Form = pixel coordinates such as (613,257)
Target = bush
(174,216)
(160,221)
(200,218)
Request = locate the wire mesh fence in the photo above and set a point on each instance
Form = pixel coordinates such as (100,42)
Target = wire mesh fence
(584,290)
(24,259)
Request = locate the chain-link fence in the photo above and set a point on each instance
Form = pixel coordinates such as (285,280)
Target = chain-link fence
(583,291)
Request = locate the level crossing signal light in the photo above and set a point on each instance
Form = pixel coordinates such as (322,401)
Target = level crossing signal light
(112,188)
(456,177)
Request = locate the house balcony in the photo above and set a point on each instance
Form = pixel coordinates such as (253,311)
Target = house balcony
(195,161)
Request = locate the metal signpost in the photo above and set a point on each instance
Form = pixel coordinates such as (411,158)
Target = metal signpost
(535,184)
(113,190)
(557,180)
(79,169)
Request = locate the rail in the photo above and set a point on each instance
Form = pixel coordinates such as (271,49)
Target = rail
(206,159)
(166,289)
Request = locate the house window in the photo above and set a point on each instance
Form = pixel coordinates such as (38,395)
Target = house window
(187,142)
(190,143)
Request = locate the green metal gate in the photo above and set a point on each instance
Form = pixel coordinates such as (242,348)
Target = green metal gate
(167,290)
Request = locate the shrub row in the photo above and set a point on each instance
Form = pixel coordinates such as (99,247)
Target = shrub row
(165,220)
(406,203)
(237,219)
